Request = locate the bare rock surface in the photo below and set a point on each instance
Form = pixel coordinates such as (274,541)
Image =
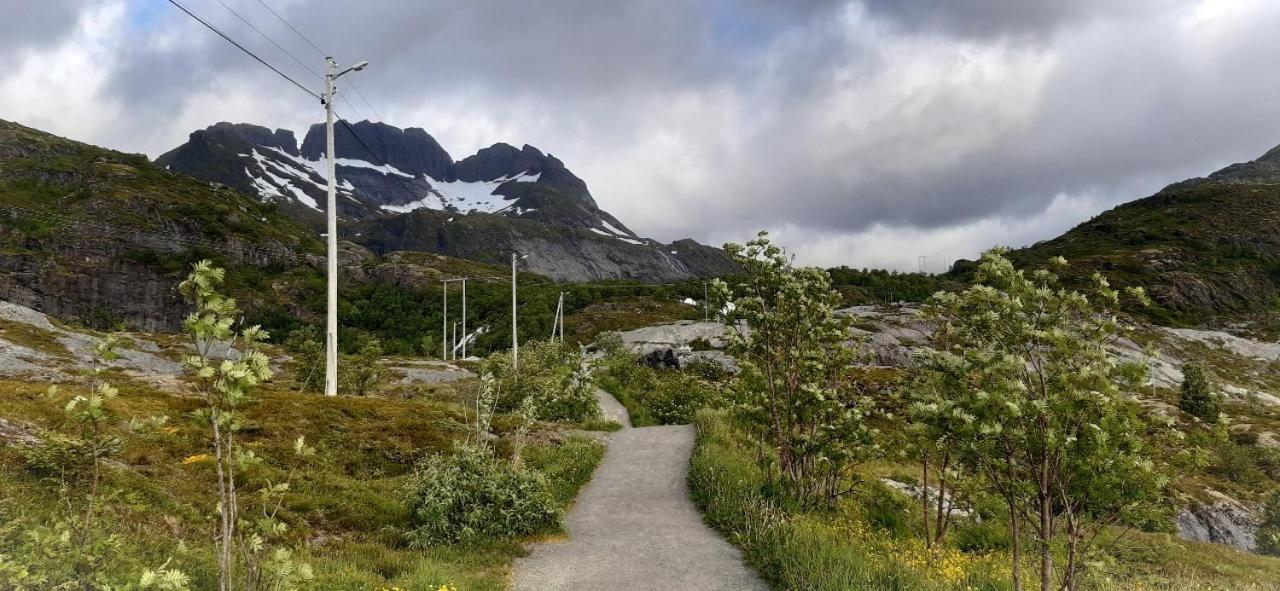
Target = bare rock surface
(1238,345)
(1222,521)
(429,372)
(673,336)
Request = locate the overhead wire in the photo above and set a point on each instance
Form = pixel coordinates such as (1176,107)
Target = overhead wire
(244,49)
(270,40)
(294,29)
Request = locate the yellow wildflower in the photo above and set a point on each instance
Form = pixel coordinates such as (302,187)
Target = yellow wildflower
(196,458)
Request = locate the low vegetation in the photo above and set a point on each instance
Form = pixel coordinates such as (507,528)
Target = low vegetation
(267,487)
(659,396)
(1033,465)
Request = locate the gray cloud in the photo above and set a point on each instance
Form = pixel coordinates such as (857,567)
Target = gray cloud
(951,124)
(988,18)
(29,27)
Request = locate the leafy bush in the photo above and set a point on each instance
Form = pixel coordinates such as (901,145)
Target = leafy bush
(361,373)
(306,347)
(707,369)
(550,376)
(659,397)
(471,494)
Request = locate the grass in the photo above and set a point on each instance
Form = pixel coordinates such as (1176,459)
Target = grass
(33,338)
(345,508)
(640,414)
(869,542)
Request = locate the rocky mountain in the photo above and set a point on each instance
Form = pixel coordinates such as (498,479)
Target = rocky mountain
(399,189)
(1206,249)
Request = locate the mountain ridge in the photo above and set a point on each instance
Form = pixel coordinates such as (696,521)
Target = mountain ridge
(1207,249)
(385,173)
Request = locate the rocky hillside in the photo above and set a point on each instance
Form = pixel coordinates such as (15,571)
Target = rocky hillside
(1206,249)
(101,236)
(400,190)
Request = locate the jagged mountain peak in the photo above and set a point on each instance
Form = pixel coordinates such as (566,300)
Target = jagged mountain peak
(411,150)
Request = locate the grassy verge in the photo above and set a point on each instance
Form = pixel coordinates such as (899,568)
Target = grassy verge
(868,541)
(345,507)
(641,416)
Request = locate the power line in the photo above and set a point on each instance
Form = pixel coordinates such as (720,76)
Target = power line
(366,101)
(294,29)
(353,107)
(242,48)
(403,183)
(269,39)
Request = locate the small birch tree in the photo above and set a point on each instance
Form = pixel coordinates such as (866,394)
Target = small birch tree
(795,354)
(1052,430)
(226,383)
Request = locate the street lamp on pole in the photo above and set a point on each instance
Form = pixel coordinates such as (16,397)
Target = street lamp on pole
(331,326)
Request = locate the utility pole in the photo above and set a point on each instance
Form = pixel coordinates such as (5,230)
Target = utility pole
(706,305)
(558,323)
(515,341)
(444,321)
(331,204)
(464,317)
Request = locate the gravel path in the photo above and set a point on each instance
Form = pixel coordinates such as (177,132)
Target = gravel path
(612,409)
(634,527)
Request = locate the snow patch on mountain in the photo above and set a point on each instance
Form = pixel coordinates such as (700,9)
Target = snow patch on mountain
(466,197)
(614,229)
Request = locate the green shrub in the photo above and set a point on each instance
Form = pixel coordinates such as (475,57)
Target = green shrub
(707,369)
(550,376)
(986,536)
(700,344)
(361,374)
(471,495)
(658,397)
(1196,398)
(306,348)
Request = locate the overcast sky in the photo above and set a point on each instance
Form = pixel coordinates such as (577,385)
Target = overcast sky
(863,133)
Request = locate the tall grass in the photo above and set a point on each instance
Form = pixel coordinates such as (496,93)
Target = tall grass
(818,551)
(869,543)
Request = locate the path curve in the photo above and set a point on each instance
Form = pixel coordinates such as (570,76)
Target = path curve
(633,527)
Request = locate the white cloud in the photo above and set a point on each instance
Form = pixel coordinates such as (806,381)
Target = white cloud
(59,88)
(865,133)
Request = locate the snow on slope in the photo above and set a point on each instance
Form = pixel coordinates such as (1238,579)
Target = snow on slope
(465,197)
(279,174)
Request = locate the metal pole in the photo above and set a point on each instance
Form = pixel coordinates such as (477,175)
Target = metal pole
(515,343)
(444,322)
(706,305)
(455,342)
(331,327)
(464,317)
(560,315)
